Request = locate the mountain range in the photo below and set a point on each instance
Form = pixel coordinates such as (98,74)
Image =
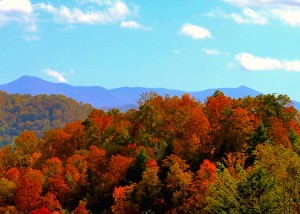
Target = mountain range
(99,97)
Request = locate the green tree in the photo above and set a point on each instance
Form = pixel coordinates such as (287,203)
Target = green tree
(7,192)
(148,190)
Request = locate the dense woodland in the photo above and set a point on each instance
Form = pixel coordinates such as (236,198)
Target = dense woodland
(36,113)
(172,155)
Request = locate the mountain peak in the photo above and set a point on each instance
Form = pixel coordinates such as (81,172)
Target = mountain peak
(30,85)
(31,79)
(27,77)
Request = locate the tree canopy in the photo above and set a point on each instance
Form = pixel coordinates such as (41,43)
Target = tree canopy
(36,113)
(172,155)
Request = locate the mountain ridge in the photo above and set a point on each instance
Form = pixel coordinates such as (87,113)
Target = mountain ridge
(100,97)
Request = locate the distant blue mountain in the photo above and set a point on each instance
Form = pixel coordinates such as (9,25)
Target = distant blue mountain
(297,105)
(99,97)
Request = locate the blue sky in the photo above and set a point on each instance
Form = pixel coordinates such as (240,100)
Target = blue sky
(178,44)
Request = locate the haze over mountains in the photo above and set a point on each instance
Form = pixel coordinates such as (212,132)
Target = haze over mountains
(99,97)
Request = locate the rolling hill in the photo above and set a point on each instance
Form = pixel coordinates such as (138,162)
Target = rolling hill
(38,113)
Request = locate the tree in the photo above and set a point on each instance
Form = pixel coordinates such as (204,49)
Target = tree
(117,168)
(57,143)
(193,137)
(178,181)
(81,209)
(283,166)
(97,161)
(278,133)
(50,201)
(255,193)
(206,174)
(199,190)
(12,174)
(96,125)
(8,159)
(43,210)
(214,108)
(122,200)
(60,189)
(148,190)
(136,171)
(52,167)
(260,136)
(26,143)
(7,192)
(76,169)
(223,197)
(29,189)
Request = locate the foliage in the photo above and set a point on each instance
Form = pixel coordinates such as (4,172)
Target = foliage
(36,113)
(172,155)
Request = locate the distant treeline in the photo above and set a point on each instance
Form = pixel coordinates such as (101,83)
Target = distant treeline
(36,113)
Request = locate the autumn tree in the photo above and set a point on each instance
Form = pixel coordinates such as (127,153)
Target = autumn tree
(178,181)
(200,188)
(29,189)
(76,177)
(42,210)
(25,145)
(12,174)
(76,169)
(60,189)
(7,192)
(135,172)
(214,108)
(97,125)
(117,168)
(148,190)
(81,209)
(57,144)
(50,201)
(97,161)
(122,200)
(8,159)
(52,167)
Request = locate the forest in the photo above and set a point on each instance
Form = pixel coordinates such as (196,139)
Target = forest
(171,155)
(39,113)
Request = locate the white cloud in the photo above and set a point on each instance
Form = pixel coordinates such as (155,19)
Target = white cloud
(194,31)
(263,3)
(287,11)
(211,52)
(253,63)
(18,11)
(17,6)
(130,24)
(26,14)
(56,74)
(115,12)
(249,16)
(97,2)
(288,16)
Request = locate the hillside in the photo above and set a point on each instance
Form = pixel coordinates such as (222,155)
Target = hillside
(36,113)
(172,155)
(99,97)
